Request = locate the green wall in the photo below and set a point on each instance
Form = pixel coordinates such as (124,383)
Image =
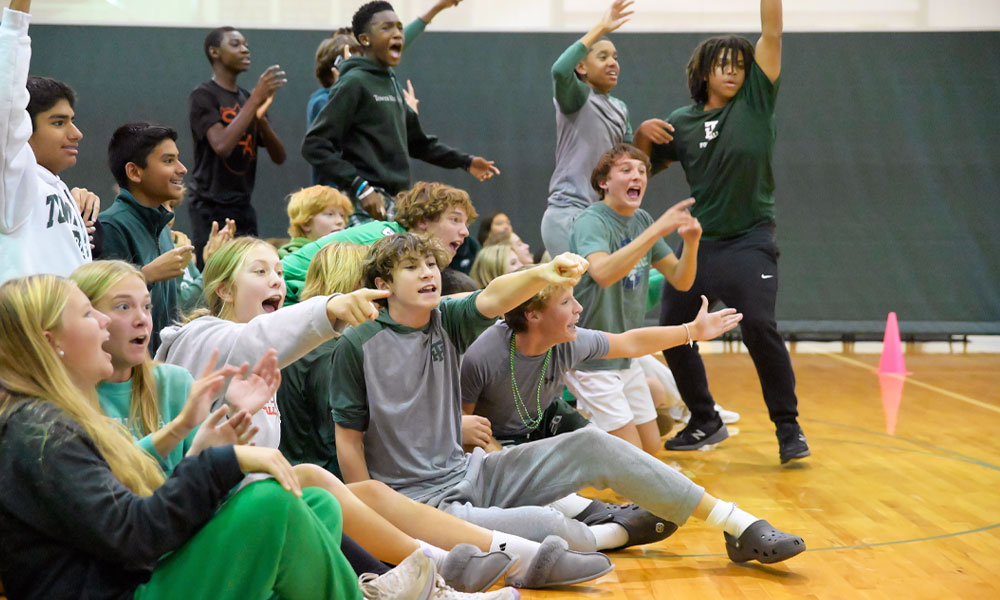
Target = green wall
(887,163)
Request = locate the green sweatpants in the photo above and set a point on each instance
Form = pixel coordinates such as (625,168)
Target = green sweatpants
(263,539)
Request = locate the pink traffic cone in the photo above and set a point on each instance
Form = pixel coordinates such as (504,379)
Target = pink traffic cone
(892,349)
(891,386)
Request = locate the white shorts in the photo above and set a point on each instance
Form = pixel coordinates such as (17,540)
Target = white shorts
(614,398)
(656,369)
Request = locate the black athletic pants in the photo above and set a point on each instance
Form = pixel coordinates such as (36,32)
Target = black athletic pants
(203,211)
(743,273)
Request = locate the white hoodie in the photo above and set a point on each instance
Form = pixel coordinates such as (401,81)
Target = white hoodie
(41,230)
(292,331)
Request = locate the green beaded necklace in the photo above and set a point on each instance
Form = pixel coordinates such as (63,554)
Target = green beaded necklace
(522,410)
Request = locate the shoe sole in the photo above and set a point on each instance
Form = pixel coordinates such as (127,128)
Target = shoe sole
(610,568)
(715,438)
(803,454)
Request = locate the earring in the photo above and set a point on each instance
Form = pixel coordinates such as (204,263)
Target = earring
(60,352)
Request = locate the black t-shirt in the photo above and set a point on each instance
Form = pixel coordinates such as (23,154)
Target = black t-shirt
(223,180)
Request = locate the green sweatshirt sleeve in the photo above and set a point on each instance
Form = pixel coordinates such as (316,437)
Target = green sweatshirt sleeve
(323,145)
(146,444)
(569,91)
(296,264)
(412,31)
(428,149)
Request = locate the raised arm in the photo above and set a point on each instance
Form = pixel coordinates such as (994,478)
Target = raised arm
(508,291)
(609,268)
(18,185)
(570,93)
(767,54)
(648,340)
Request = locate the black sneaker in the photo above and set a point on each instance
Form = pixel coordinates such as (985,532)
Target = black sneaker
(695,435)
(642,526)
(791,442)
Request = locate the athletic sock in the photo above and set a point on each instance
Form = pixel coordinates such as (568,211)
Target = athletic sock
(570,506)
(730,518)
(521,548)
(609,535)
(436,554)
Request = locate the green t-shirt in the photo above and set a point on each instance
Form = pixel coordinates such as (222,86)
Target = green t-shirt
(172,386)
(622,305)
(304,401)
(296,264)
(727,155)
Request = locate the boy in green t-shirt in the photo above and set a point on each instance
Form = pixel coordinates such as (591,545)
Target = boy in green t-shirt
(725,143)
(621,241)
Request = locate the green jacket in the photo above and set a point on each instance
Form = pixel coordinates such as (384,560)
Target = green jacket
(138,234)
(367,130)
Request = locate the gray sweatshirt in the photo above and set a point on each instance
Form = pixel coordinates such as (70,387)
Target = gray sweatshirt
(292,331)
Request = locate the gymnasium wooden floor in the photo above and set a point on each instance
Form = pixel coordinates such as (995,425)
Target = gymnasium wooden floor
(900,499)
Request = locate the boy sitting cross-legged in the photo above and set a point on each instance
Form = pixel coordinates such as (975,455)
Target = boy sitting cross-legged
(396,403)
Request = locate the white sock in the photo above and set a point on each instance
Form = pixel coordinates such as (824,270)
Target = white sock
(730,518)
(609,535)
(436,554)
(570,506)
(521,548)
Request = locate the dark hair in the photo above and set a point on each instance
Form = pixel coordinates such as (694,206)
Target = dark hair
(485,227)
(706,57)
(603,38)
(607,160)
(391,250)
(132,143)
(44,93)
(331,49)
(214,39)
(363,17)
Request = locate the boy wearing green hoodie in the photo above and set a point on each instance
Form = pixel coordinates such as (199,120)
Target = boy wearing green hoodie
(363,138)
(145,162)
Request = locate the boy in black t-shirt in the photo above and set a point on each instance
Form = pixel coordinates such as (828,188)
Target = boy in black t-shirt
(228,124)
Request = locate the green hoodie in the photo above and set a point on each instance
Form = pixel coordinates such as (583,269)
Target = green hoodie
(138,234)
(367,130)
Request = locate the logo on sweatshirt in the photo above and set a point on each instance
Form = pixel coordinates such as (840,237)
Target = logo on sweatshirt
(379,98)
(437,351)
(710,133)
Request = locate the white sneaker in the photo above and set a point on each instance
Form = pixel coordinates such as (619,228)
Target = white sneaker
(442,591)
(680,413)
(412,579)
(728,416)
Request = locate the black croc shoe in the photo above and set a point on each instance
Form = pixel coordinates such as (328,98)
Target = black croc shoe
(763,543)
(642,526)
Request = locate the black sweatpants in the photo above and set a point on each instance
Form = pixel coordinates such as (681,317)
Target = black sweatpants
(203,211)
(743,273)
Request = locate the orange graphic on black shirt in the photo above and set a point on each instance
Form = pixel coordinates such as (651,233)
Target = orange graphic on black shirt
(248,143)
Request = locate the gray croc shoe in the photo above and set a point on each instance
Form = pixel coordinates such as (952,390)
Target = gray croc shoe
(763,543)
(555,564)
(468,569)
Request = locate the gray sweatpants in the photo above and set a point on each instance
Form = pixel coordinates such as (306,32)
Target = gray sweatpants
(505,490)
(557,223)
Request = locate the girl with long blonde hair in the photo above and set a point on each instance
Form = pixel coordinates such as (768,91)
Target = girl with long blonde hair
(152,400)
(78,493)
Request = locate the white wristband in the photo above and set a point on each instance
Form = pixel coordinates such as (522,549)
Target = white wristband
(690,341)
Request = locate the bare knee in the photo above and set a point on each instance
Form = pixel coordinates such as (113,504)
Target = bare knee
(372,492)
(310,475)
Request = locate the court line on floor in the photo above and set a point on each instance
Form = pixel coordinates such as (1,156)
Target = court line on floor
(909,379)
(930,538)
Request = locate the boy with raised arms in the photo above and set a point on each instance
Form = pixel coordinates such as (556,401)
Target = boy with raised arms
(41,228)
(725,143)
(363,138)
